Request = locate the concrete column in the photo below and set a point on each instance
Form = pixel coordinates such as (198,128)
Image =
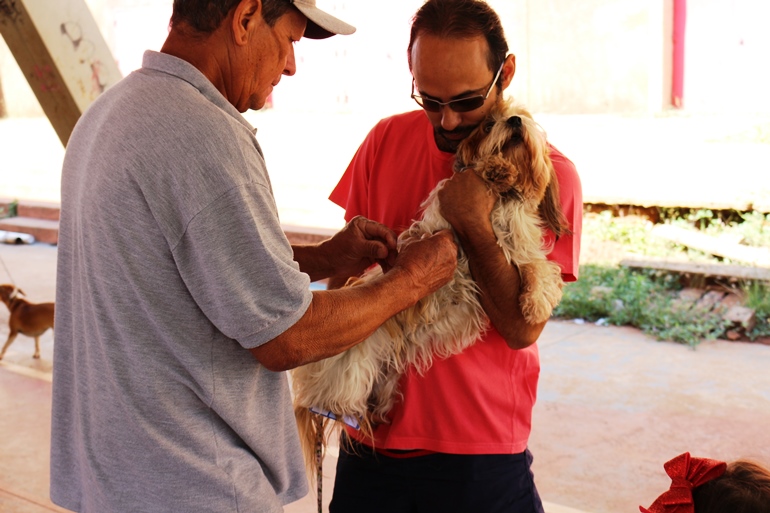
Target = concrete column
(62,54)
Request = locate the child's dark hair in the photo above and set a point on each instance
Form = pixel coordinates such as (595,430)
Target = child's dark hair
(703,485)
(743,488)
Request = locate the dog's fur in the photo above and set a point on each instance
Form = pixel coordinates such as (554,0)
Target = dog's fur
(31,319)
(510,152)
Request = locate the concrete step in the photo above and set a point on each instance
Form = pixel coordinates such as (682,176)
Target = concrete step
(41,220)
(44,230)
(38,210)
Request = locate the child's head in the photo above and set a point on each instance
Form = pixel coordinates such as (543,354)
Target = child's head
(743,488)
(700,485)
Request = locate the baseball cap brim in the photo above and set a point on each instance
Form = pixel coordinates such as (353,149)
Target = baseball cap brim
(320,24)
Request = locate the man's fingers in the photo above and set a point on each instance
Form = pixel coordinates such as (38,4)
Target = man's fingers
(377,250)
(376,231)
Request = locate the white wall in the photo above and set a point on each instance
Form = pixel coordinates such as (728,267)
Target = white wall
(592,56)
(727,56)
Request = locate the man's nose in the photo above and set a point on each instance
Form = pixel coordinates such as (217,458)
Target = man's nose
(291,65)
(449,118)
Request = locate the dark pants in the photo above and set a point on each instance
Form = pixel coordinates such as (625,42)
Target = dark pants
(442,483)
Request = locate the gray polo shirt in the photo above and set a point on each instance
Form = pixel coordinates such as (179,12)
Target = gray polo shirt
(171,264)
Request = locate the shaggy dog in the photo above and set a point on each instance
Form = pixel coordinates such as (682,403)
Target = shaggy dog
(509,151)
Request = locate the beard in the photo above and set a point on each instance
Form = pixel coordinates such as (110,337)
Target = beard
(449,140)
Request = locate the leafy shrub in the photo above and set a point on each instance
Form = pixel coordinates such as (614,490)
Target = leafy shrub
(758,298)
(647,300)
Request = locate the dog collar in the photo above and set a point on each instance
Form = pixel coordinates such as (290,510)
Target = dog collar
(14,293)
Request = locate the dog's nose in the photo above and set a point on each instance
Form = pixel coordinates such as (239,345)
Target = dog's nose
(514,121)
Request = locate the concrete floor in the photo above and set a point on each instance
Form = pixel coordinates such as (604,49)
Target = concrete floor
(613,406)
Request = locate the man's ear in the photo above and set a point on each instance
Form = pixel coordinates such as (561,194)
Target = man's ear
(245,15)
(509,69)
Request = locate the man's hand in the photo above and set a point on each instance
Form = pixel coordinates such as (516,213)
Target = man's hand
(360,244)
(336,320)
(430,261)
(466,202)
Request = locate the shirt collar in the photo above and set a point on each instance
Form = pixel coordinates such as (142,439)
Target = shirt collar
(183,70)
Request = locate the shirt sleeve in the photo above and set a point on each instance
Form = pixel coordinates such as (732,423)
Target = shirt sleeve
(566,250)
(238,265)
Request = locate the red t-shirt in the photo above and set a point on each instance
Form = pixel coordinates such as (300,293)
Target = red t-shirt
(479,401)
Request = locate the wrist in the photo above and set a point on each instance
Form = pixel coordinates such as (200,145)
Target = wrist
(477,234)
(401,284)
(313,259)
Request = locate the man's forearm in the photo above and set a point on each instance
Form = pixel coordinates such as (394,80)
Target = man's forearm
(336,320)
(311,261)
(499,284)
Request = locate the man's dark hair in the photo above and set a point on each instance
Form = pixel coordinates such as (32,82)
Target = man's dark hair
(461,19)
(206,15)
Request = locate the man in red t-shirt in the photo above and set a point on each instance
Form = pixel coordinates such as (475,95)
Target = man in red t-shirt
(457,438)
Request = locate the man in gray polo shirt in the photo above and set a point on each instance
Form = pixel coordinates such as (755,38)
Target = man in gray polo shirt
(180,301)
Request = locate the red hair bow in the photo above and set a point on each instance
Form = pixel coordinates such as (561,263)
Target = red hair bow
(686,473)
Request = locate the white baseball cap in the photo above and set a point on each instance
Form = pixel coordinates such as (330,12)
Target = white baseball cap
(320,24)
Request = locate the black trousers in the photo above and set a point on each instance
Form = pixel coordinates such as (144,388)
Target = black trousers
(370,482)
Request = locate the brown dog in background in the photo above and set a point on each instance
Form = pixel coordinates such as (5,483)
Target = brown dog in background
(31,319)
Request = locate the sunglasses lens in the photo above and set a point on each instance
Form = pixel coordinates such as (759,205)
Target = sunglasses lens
(462,105)
(429,105)
(467,104)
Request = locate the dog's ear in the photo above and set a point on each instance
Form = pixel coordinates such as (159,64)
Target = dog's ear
(537,155)
(544,181)
(525,153)
(551,212)
(21,292)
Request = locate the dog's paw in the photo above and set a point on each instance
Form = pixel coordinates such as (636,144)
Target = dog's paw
(542,291)
(535,310)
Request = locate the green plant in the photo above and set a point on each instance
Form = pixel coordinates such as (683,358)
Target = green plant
(758,298)
(685,325)
(648,299)
(11,210)
(755,229)
(644,299)
(629,231)
(616,294)
(579,301)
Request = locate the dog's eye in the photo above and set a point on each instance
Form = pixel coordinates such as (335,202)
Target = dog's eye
(488,127)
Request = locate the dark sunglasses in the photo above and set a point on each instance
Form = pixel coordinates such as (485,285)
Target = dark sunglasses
(460,105)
